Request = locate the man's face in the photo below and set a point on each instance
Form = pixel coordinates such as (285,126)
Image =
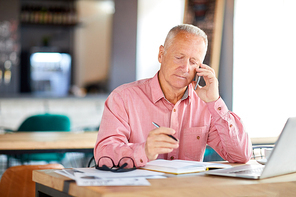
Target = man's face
(180,60)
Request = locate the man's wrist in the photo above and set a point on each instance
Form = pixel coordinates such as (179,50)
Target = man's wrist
(212,100)
(217,108)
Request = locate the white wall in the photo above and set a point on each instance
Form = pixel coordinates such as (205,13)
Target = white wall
(264,65)
(83,112)
(155,19)
(93,41)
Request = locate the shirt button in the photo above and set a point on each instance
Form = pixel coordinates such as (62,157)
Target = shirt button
(231,125)
(174,110)
(219,108)
(172,157)
(197,137)
(141,160)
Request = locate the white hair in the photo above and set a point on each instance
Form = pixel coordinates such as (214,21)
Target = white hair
(185,28)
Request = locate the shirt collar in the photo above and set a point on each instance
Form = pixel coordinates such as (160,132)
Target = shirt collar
(157,93)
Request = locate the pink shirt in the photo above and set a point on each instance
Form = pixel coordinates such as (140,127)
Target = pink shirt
(131,108)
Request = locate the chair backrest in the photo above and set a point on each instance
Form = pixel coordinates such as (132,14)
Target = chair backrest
(258,151)
(17,180)
(46,122)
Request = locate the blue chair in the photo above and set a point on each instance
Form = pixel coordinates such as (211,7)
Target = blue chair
(44,123)
(211,155)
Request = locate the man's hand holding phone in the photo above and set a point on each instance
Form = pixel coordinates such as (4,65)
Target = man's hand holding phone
(209,92)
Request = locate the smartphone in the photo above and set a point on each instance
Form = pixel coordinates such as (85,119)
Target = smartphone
(197,79)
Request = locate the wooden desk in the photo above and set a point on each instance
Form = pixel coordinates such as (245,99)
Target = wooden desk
(51,183)
(42,142)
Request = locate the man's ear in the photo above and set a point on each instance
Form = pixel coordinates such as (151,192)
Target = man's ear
(160,53)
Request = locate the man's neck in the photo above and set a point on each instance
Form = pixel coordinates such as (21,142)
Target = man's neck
(173,96)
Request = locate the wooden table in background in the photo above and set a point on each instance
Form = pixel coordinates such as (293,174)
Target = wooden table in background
(43,142)
(46,142)
(264,141)
(33,142)
(53,184)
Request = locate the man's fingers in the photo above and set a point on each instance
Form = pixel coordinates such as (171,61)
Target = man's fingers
(163,130)
(162,147)
(205,70)
(162,138)
(158,142)
(164,150)
(163,134)
(164,144)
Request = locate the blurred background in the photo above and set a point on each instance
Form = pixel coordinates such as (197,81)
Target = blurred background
(66,56)
(76,43)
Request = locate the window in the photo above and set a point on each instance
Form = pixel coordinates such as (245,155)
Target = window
(264,76)
(155,19)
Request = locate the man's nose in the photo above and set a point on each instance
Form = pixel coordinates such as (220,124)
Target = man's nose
(186,65)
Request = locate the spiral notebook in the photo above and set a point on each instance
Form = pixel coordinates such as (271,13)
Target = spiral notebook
(181,166)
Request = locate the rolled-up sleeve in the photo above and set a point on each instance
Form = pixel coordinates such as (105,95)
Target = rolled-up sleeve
(227,135)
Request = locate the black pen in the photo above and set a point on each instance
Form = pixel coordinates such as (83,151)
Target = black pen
(166,134)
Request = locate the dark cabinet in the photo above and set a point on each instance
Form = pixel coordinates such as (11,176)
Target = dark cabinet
(28,26)
(9,47)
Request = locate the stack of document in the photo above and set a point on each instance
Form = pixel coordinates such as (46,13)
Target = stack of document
(154,169)
(94,177)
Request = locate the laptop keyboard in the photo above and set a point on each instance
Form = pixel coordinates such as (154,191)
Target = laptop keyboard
(248,171)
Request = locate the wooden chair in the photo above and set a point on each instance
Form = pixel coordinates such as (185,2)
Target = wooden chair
(17,181)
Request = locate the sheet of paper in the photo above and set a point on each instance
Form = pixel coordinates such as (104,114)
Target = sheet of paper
(107,174)
(66,172)
(94,177)
(91,180)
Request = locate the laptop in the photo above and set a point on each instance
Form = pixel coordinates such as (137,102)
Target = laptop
(281,161)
